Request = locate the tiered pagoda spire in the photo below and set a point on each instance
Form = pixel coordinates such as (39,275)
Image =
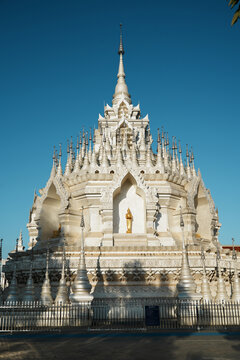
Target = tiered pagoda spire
(121,90)
(123,138)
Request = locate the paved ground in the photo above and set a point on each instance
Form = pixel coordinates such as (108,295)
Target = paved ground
(124,346)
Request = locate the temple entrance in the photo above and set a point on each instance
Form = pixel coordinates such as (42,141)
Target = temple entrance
(129,196)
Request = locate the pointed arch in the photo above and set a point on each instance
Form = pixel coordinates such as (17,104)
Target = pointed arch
(193,190)
(200,200)
(129,195)
(49,214)
(60,191)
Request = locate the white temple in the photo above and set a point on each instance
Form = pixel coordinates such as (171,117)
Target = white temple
(133,200)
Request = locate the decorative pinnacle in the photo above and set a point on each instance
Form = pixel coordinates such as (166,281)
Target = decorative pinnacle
(54,153)
(163,133)
(181,218)
(121,50)
(174,144)
(179,148)
(82,224)
(80,139)
(60,150)
(192,156)
(121,89)
(167,140)
(159,137)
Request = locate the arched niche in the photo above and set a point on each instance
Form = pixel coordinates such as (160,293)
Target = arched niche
(49,216)
(129,195)
(203,214)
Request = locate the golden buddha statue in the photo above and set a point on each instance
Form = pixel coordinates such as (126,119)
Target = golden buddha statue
(129,218)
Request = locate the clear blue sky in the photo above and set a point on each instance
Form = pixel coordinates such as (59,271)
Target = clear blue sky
(58,66)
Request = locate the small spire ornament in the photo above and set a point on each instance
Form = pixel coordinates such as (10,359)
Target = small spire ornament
(81,287)
(20,242)
(29,289)
(13,288)
(206,292)
(62,294)
(59,169)
(186,286)
(46,297)
(13,292)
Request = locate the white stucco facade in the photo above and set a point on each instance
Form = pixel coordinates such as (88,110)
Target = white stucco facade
(108,171)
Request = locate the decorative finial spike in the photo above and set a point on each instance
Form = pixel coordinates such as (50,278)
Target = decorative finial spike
(54,153)
(60,150)
(121,50)
(80,139)
(90,135)
(163,133)
(179,148)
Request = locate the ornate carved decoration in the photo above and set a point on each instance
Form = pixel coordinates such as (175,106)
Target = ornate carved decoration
(109,275)
(150,276)
(96,276)
(123,275)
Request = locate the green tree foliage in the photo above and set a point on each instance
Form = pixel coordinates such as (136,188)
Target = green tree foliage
(232,4)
